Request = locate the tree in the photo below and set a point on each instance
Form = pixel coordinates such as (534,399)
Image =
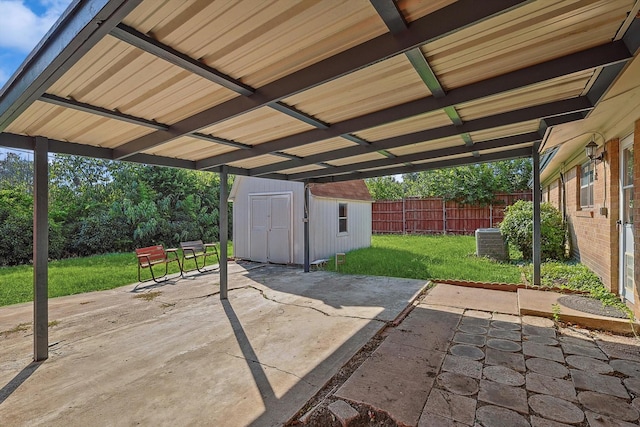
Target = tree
(16,172)
(385,188)
(470,184)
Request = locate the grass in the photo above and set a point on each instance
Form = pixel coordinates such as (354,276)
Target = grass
(427,257)
(79,275)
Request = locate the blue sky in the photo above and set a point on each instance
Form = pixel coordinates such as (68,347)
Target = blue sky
(22,25)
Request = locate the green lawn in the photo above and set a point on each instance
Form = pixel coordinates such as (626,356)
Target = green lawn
(78,275)
(428,257)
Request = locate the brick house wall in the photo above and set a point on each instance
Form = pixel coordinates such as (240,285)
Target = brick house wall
(594,236)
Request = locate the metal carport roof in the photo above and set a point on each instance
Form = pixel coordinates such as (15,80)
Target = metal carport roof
(316,90)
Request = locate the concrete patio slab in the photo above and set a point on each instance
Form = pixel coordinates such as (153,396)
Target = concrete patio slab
(175,354)
(474,298)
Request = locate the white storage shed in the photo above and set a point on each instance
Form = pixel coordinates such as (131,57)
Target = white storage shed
(268,219)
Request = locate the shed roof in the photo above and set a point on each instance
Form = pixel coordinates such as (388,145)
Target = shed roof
(325,90)
(350,190)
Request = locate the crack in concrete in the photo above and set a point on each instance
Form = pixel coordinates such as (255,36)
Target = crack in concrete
(270,366)
(265,296)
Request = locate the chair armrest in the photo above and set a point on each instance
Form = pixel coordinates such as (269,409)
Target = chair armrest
(171,250)
(143,255)
(208,245)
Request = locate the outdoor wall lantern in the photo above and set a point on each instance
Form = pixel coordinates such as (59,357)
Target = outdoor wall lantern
(590,150)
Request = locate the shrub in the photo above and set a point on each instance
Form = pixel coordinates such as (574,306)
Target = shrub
(517,227)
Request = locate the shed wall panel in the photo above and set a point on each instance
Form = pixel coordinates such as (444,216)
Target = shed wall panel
(243,188)
(325,240)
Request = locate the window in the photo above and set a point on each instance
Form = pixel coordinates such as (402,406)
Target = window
(342,218)
(586,185)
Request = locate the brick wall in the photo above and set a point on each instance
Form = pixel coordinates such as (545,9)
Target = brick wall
(594,236)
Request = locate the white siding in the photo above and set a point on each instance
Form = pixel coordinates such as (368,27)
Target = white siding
(242,188)
(325,240)
(324,236)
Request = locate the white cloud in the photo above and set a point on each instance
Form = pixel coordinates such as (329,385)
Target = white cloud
(4,76)
(21,28)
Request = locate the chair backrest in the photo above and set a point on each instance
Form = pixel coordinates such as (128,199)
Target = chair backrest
(196,245)
(154,253)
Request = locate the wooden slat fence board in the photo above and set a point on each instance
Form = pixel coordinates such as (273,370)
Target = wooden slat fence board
(434,216)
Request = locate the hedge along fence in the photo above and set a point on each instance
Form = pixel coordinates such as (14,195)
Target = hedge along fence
(435,216)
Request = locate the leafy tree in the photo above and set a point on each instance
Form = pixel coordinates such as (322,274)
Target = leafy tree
(470,184)
(16,172)
(385,188)
(517,227)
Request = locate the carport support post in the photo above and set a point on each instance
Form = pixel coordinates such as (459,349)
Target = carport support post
(224,232)
(40,249)
(306,227)
(537,235)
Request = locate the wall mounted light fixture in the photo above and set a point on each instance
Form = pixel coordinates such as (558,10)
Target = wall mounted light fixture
(590,150)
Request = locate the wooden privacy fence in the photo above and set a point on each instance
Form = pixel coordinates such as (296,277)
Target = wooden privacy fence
(435,216)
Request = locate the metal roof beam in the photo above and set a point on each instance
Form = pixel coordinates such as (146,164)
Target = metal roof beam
(104,112)
(22,142)
(74,34)
(424,155)
(610,53)
(557,108)
(297,114)
(491,157)
(150,45)
(434,25)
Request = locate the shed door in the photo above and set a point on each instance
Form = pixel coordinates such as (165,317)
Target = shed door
(270,225)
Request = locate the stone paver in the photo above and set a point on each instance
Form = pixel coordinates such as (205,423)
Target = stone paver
(633,385)
(617,347)
(541,422)
(514,361)
(556,409)
(503,345)
(463,338)
(432,420)
(540,340)
(503,375)
(472,329)
(538,321)
(468,351)
(597,420)
(458,384)
(581,341)
(636,403)
(589,364)
(463,366)
(475,321)
(605,404)
(547,367)
(539,331)
(627,367)
(552,386)
(503,395)
(484,315)
(505,334)
(601,383)
(508,326)
(542,351)
(506,318)
(343,412)
(495,416)
(452,406)
(582,350)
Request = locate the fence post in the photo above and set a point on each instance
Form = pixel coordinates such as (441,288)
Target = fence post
(444,217)
(491,215)
(404,219)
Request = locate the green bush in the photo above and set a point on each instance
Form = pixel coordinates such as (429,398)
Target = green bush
(16,229)
(517,227)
